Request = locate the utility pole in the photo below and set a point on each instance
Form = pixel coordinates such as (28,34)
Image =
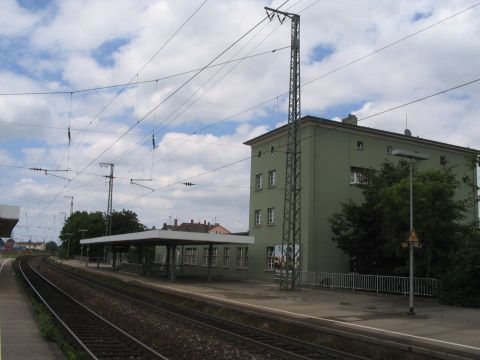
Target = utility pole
(71,203)
(108,222)
(291,240)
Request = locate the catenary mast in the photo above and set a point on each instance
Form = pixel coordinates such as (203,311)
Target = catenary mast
(291,240)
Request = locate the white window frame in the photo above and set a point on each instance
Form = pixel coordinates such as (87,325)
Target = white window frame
(360,145)
(258,217)
(259,182)
(389,150)
(214,256)
(240,257)
(272,178)
(270,258)
(191,256)
(226,257)
(357,176)
(271,215)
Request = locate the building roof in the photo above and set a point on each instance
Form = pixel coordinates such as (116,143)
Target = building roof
(167,237)
(342,126)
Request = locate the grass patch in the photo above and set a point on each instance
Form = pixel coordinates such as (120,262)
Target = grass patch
(345,303)
(371,307)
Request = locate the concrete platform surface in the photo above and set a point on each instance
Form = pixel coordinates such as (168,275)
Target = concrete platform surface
(445,326)
(20,338)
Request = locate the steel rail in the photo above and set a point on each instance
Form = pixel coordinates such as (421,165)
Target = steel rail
(118,337)
(280,344)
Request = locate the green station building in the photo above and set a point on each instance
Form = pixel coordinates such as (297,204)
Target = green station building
(333,156)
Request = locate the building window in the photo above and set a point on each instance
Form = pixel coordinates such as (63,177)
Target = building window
(258,181)
(258,217)
(271,215)
(226,256)
(272,149)
(240,256)
(389,150)
(272,178)
(214,256)
(191,256)
(270,258)
(245,259)
(360,145)
(259,154)
(358,176)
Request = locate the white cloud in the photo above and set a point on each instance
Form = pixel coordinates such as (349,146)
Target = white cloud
(15,20)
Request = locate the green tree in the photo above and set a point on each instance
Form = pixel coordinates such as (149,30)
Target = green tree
(125,221)
(93,222)
(51,247)
(374,230)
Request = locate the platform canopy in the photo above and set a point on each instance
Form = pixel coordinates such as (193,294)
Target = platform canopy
(9,216)
(168,237)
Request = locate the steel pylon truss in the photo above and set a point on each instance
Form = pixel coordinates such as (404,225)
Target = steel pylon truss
(291,240)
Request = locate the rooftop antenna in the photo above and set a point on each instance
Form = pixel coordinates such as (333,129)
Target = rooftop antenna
(407,132)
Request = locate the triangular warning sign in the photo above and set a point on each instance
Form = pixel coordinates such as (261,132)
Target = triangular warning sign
(413,237)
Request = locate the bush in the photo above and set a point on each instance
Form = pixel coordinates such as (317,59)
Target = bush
(461,283)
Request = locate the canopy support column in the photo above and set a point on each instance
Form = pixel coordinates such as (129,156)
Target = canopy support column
(210,253)
(173,254)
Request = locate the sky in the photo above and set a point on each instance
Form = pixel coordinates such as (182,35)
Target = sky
(55,54)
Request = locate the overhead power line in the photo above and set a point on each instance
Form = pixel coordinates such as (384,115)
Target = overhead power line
(189,179)
(107,87)
(155,107)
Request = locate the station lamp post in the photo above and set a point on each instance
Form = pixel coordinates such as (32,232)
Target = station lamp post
(83,231)
(412,156)
(68,244)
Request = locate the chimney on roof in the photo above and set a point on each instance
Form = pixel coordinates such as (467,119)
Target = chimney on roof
(204,222)
(175,223)
(350,119)
(191,221)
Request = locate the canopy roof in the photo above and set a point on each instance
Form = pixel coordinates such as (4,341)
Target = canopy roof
(9,216)
(167,237)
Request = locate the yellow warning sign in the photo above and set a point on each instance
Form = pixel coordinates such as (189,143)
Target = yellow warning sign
(413,237)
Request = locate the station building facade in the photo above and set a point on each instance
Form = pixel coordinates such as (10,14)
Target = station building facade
(333,155)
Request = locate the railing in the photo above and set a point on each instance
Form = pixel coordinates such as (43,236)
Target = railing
(374,283)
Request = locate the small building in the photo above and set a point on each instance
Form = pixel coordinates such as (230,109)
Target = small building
(199,227)
(31,245)
(333,156)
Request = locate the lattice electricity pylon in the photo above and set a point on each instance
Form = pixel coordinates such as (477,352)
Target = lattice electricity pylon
(108,222)
(291,240)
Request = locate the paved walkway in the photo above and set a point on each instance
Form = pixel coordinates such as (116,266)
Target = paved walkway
(449,327)
(20,338)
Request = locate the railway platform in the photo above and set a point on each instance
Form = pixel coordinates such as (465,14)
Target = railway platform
(20,338)
(437,327)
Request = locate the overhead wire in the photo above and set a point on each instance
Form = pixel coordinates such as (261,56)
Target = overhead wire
(301,140)
(171,118)
(351,63)
(165,99)
(123,88)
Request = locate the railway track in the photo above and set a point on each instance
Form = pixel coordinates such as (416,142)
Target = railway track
(284,346)
(94,335)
